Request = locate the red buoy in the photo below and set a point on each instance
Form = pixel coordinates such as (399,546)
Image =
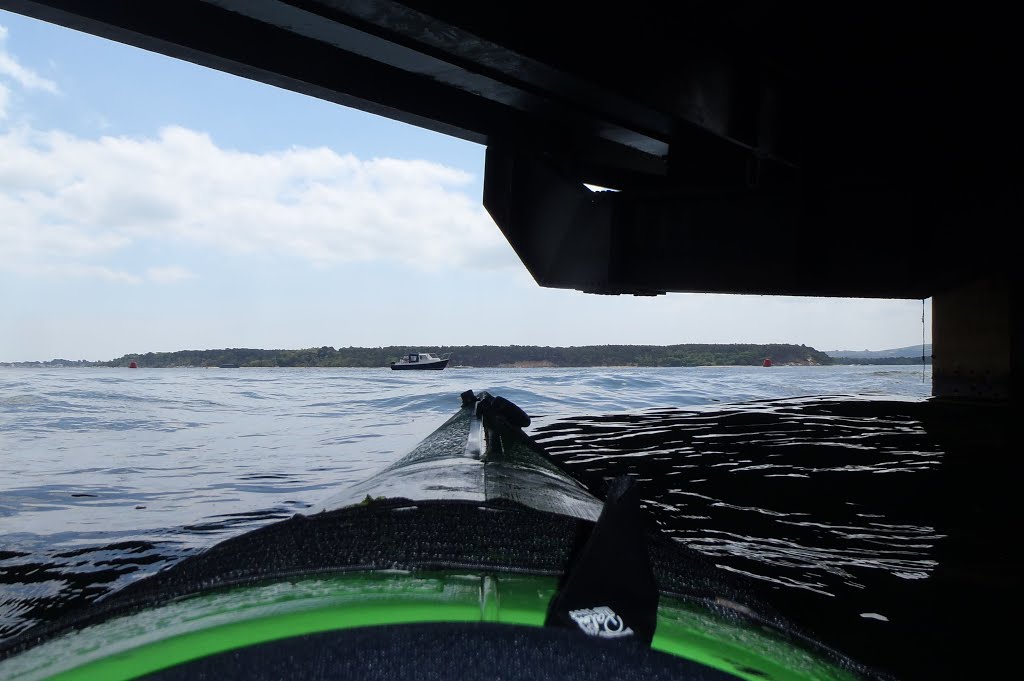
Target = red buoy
(133,365)
(766,363)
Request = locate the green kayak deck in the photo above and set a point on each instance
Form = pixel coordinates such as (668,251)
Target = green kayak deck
(131,646)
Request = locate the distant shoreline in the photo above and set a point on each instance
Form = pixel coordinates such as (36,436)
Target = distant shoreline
(512,356)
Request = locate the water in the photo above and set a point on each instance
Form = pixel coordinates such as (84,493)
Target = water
(855,500)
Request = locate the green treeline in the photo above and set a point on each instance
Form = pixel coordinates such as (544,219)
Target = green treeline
(492,356)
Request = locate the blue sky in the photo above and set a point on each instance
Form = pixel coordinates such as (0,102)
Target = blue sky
(149,204)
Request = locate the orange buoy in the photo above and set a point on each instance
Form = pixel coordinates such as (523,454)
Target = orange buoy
(133,365)
(766,363)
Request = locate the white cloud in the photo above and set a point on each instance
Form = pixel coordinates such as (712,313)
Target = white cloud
(65,198)
(169,274)
(23,76)
(77,270)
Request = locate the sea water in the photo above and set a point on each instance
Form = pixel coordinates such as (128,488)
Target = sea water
(828,485)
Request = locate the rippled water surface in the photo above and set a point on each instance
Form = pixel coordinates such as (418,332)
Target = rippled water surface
(851,496)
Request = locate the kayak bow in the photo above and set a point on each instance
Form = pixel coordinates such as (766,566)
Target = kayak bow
(475,556)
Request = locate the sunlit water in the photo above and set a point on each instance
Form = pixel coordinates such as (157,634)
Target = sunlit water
(829,485)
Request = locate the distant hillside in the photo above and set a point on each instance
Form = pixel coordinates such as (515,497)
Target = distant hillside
(492,356)
(688,355)
(909,351)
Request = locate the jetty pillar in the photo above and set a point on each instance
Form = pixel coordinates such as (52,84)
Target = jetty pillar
(975,346)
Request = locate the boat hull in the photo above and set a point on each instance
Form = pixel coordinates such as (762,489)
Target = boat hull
(239,624)
(420,366)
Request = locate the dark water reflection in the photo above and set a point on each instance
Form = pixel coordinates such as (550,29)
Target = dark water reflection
(883,527)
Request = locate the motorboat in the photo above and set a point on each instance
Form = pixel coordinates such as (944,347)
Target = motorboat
(421,360)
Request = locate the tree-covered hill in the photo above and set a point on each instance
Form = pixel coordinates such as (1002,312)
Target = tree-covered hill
(491,356)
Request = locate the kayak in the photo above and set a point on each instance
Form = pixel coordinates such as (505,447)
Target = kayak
(475,556)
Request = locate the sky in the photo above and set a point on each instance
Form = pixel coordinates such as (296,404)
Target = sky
(148,204)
